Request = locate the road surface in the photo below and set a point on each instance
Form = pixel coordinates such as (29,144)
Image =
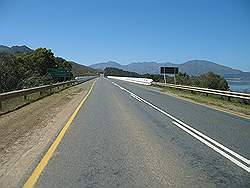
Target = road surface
(128,135)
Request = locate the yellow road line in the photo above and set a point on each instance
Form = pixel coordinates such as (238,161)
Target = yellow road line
(42,164)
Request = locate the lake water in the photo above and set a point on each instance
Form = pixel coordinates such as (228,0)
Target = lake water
(239,86)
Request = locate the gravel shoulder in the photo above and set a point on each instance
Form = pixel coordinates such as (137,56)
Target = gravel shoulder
(26,133)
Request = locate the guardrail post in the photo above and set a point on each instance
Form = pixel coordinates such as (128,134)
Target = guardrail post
(246,101)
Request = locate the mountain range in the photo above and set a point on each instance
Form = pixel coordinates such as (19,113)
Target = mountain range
(15,49)
(193,67)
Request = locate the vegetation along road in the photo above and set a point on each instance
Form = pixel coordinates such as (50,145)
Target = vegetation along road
(133,136)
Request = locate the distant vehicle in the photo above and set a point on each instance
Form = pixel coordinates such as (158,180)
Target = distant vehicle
(83,78)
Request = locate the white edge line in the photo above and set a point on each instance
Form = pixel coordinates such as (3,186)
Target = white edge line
(201,134)
(134,96)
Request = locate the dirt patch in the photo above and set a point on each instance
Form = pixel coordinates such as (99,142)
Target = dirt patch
(27,132)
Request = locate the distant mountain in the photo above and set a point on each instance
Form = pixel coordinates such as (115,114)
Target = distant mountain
(119,72)
(15,49)
(196,67)
(193,67)
(102,66)
(80,70)
(146,67)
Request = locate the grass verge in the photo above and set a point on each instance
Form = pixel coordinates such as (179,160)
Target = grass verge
(234,106)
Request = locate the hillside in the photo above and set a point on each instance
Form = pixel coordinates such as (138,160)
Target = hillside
(77,69)
(82,70)
(193,67)
(119,72)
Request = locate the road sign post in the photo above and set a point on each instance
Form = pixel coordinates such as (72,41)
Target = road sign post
(165,77)
(169,70)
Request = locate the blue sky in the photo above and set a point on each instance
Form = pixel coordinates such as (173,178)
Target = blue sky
(128,31)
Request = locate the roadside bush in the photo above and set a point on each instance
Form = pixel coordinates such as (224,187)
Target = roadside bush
(213,81)
(209,80)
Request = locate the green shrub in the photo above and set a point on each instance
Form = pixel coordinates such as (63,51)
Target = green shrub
(209,80)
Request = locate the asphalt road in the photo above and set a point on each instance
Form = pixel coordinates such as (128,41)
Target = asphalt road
(127,135)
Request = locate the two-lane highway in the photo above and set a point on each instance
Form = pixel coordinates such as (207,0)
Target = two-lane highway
(129,135)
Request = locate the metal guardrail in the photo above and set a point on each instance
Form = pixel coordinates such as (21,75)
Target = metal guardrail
(27,91)
(229,94)
(14,99)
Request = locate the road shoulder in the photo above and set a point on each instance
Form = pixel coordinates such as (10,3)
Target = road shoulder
(26,133)
(226,108)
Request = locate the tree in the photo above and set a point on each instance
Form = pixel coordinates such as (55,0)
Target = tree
(213,81)
(208,80)
(183,78)
(12,73)
(31,69)
(43,59)
(62,63)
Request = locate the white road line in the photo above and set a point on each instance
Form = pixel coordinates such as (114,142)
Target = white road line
(213,147)
(134,96)
(190,129)
(194,130)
